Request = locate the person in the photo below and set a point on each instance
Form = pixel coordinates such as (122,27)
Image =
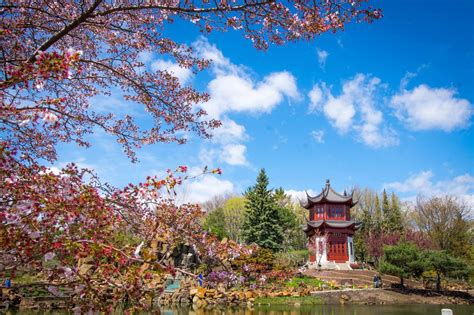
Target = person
(376,281)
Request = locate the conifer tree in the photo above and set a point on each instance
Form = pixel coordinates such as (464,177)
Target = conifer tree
(395,220)
(385,212)
(378,217)
(262,223)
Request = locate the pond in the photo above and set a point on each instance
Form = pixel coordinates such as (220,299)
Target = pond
(305,310)
(329,310)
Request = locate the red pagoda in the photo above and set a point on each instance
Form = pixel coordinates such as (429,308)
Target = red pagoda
(330,228)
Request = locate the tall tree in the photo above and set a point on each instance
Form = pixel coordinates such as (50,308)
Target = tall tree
(234,213)
(385,211)
(291,223)
(446,221)
(392,215)
(263,224)
(214,222)
(378,216)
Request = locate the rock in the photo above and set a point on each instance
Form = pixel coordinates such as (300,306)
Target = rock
(199,303)
(345,297)
(201,292)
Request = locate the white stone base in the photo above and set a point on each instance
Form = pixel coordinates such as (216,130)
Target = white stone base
(330,265)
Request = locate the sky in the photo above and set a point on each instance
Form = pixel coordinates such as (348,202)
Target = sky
(387,105)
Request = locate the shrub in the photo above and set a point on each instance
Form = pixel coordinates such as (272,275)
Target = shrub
(291,259)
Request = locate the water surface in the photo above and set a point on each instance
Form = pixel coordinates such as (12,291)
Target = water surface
(328,310)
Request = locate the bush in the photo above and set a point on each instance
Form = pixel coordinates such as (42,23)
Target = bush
(291,259)
(304,281)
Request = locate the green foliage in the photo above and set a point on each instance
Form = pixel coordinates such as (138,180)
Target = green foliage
(291,222)
(446,221)
(360,247)
(395,218)
(302,300)
(234,214)
(214,222)
(402,260)
(392,216)
(262,224)
(261,257)
(291,259)
(304,281)
(378,216)
(444,264)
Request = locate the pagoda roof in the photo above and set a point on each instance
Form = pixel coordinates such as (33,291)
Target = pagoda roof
(332,224)
(328,195)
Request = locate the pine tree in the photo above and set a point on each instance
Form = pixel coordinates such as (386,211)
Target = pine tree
(395,220)
(378,218)
(385,212)
(262,223)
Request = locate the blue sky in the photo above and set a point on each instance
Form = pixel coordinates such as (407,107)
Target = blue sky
(387,104)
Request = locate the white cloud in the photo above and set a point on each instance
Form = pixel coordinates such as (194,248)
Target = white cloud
(426,108)
(322,57)
(206,188)
(234,154)
(299,195)
(423,183)
(229,132)
(316,98)
(318,135)
(183,74)
(220,64)
(232,93)
(355,110)
(340,112)
(234,90)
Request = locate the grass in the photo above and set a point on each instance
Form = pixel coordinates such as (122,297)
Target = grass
(308,281)
(285,300)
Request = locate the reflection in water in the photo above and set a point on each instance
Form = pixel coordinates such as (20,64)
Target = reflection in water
(327,310)
(301,310)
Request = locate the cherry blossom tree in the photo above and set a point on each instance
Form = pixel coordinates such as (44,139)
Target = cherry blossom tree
(55,56)
(68,228)
(105,245)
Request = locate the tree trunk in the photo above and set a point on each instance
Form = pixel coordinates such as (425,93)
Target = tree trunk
(438,282)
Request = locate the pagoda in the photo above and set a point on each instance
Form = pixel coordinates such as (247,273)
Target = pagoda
(330,228)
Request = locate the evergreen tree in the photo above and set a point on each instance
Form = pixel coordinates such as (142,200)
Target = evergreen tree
(402,260)
(293,235)
(378,217)
(395,219)
(262,224)
(443,264)
(385,211)
(392,215)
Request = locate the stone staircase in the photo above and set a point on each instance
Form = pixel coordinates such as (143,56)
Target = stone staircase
(359,278)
